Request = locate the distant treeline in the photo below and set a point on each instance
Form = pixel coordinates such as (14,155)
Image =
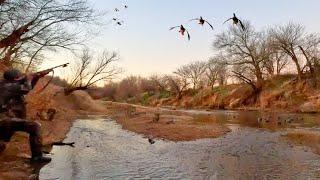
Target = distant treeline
(242,56)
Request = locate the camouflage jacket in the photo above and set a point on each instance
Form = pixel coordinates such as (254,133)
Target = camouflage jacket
(12,92)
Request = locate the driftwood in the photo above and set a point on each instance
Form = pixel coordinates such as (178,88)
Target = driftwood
(60,143)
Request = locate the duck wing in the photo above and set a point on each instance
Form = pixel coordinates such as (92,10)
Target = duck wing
(209,24)
(241,24)
(227,20)
(189,37)
(173,28)
(195,19)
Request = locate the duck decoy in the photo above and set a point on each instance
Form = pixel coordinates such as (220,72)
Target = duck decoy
(182,30)
(201,21)
(236,21)
(151,141)
(125,6)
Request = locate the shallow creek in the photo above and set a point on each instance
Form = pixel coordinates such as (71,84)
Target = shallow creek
(251,150)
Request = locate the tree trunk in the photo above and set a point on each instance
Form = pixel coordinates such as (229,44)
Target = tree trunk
(259,77)
(309,64)
(68,91)
(179,95)
(299,71)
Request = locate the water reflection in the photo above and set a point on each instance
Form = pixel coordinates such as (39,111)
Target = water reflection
(267,120)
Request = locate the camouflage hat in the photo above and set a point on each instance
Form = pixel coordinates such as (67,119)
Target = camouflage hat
(11,74)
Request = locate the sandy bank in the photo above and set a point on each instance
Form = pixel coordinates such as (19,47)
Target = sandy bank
(165,124)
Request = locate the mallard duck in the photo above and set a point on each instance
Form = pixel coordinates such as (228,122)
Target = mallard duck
(236,21)
(201,21)
(182,30)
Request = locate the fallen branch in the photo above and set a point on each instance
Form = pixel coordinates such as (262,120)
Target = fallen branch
(60,143)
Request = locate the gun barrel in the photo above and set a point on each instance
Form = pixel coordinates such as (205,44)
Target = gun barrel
(50,69)
(62,65)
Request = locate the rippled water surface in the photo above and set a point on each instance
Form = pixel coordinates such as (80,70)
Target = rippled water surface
(105,151)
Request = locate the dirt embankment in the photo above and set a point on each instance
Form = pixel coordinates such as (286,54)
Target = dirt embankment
(282,93)
(14,161)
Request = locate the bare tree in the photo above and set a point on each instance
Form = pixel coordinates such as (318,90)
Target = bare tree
(109,90)
(246,48)
(177,85)
(193,72)
(147,85)
(89,70)
(276,62)
(29,27)
(245,74)
(159,81)
(288,38)
(216,71)
(128,88)
(310,50)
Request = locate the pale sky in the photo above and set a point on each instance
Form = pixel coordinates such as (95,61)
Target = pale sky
(146,45)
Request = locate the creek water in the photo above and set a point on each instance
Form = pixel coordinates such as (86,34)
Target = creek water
(104,150)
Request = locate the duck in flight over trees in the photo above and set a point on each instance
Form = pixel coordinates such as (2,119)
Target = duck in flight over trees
(236,21)
(202,21)
(182,30)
